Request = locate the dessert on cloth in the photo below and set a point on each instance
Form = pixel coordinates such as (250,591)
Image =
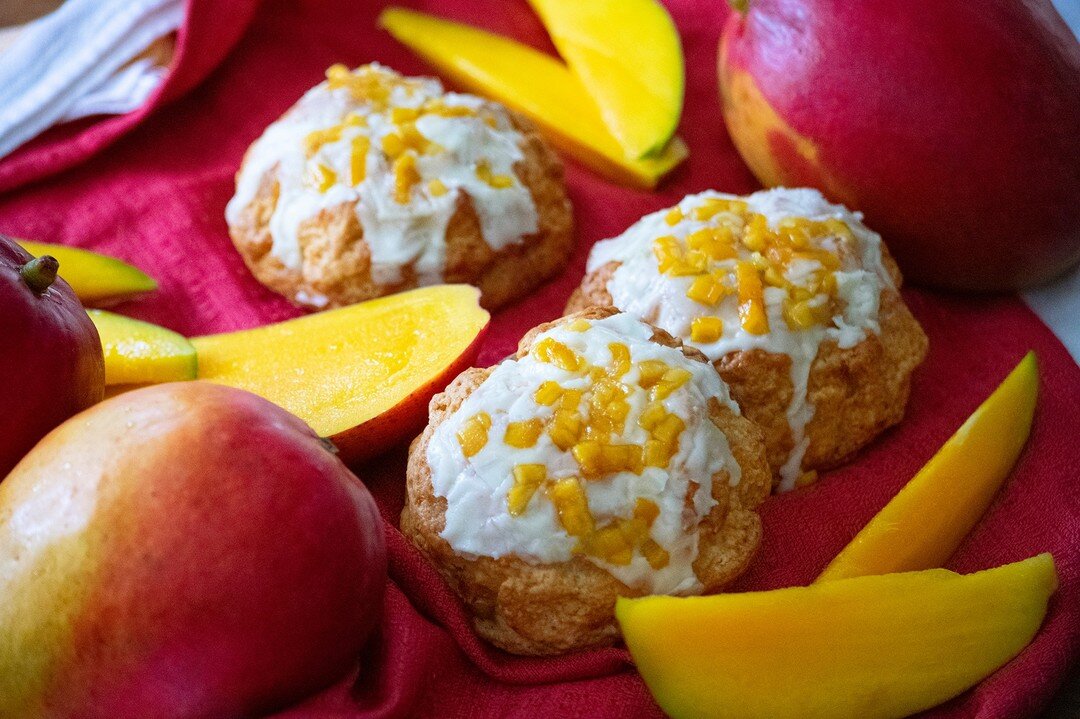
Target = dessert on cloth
(603,459)
(374,183)
(793,299)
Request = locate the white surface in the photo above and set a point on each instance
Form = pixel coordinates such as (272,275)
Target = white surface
(1058,303)
(74,62)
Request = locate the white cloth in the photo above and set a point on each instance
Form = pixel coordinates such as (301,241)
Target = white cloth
(76,62)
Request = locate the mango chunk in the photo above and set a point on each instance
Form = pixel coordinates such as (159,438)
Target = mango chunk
(139,352)
(360,375)
(98,280)
(874,647)
(532,83)
(627,55)
(922,526)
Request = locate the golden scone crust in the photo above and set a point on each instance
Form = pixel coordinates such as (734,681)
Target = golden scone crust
(858,392)
(545,609)
(336,260)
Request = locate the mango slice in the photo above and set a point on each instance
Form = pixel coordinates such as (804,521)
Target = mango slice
(922,526)
(98,280)
(138,352)
(532,83)
(861,648)
(628,57)
(360,375)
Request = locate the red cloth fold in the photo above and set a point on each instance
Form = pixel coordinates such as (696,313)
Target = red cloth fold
(157,199)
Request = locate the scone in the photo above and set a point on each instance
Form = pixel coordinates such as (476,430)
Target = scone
(375,183)
(793,299)
(604,459)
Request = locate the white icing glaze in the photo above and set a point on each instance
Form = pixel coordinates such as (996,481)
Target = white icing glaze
(478,522)
(398,234)
(638,287)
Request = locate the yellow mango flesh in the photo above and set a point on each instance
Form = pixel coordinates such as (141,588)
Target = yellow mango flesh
(628,57)
(138,352)
(98,280)
(871,647)
(347,367)
(926,521)
(532,83)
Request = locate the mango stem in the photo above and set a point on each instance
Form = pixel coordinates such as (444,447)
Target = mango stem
(39,273)
(739,6)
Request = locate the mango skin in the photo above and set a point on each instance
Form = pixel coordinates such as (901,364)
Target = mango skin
(182,550)
(875,647)
(953,125)
(50,357)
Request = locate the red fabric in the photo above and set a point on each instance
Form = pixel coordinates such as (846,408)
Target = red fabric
(157,198)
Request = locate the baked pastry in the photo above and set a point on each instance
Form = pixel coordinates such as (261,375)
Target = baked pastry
(604,459)
(374,183)
(793,299)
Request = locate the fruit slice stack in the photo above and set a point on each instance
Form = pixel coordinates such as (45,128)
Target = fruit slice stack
(613,105)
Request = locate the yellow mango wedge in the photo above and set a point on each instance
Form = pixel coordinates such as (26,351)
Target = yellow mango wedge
(138,352)
(875,647)
(922,526)
(628,57)
(532,83)
(98,280)
(360,375)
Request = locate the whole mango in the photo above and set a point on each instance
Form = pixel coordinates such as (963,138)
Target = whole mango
(183,550)
(953,125)
(50,353)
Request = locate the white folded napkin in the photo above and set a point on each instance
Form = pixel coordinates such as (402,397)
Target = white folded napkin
(77,61)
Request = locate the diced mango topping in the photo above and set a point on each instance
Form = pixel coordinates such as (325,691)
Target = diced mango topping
(715,205)
(474,433)
(405,176)
(547,393)
(527,479)
(706,290)
(646,510)
(523,434)
(380,90)
(558,354)
(737,252)
(597,459)
(579,325)
(438,106)
(590,425)
(670,381)
(620,359)
(571,505)
(751,299)
(706,329)
(317,138)
(324,177)
(654,554)
(499,182)
(361,144)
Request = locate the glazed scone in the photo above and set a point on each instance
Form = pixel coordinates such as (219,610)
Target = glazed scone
(604,459)
(375,183)
(793,299)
